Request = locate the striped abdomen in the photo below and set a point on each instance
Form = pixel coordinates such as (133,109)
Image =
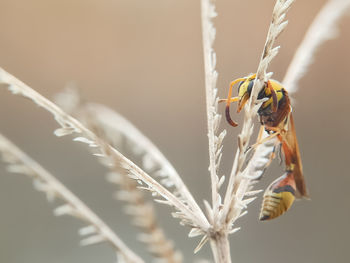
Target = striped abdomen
(278,197)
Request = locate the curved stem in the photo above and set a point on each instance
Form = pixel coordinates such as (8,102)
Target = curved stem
(220,247)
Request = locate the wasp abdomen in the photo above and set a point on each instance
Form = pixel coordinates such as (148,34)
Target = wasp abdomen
(278,197)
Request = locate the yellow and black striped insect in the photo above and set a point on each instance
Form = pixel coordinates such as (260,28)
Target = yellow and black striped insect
(276,119)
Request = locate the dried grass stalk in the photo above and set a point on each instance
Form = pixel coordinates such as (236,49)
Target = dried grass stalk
(223,216)
(240,184)
(144,217)
(108,154)
(323,28)
(218,236)
(96,231)
(215,140)
(111,126)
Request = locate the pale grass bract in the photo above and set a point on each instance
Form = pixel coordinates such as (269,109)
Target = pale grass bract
(102,130)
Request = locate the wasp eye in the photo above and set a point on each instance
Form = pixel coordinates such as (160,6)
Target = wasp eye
(239,85)
(250,86)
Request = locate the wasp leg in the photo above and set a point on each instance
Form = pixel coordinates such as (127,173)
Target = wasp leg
(279,152)
(234,99)
(228,102)
(253,76)
(272,154)
(261,132)
(262,141)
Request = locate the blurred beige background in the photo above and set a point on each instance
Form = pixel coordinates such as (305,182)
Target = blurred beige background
(144,59)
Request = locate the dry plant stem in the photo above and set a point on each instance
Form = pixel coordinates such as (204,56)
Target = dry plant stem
(218,237)
(261,158)
(114,124)
(70,125)
(114,128)
(239,185)
(208,13)
(322,28)
(144,217)
(221,247)
(142,212)
(54,188)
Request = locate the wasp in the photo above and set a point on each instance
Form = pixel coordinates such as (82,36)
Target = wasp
(276,119)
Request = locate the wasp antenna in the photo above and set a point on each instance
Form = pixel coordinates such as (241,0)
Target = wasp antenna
(274,97)
(228,116)
(229,100)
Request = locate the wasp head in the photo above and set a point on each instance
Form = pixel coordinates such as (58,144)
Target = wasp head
(244,90)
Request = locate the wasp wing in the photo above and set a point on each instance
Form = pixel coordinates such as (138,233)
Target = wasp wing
(296,165)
